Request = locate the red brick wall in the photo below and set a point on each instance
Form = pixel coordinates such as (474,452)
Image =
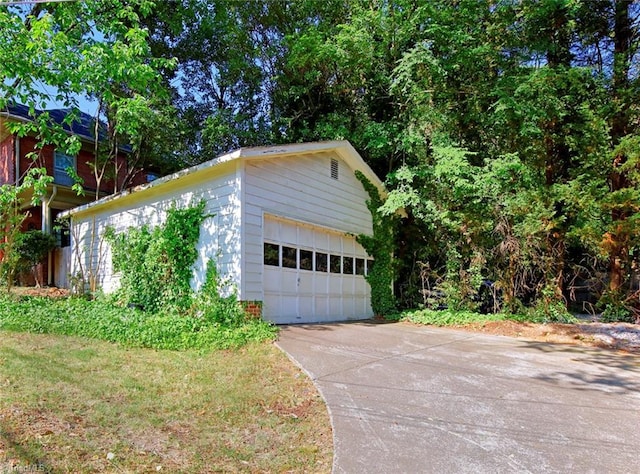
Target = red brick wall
(83,164)
(253,308)
(7,162)
(44,158)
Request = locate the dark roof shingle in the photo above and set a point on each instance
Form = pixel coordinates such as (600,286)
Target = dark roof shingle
(83,126)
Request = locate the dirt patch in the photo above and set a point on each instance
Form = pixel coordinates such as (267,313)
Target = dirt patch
(45,291)
(619,336)
(302,410)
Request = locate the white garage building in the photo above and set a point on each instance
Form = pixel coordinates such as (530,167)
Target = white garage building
(283,227)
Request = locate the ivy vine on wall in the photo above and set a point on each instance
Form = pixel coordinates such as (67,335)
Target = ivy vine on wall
(156,264)
(380,246)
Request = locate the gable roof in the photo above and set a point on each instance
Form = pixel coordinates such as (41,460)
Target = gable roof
(342,148)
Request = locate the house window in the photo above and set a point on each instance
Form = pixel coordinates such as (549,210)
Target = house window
(61,163)
(272,254)
(334,168)
(359,266)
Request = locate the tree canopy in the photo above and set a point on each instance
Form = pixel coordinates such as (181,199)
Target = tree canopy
(66,53)
(507,131)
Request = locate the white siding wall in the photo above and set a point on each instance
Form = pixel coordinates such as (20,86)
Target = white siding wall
(219,235)
(299,188)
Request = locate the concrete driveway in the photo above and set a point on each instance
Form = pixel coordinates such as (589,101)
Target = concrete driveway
(407,399)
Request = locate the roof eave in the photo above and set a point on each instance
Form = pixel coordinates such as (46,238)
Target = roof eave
(18,118)
(343,148)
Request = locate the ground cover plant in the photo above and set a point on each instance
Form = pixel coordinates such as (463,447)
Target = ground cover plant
(457,317)
(70,404)
(155,305)
(447,317)
(103,319)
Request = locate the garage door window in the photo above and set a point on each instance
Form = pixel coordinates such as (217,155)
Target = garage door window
(321,262)
(271,254)
(306,259)
(334,263)
(347,265)
(289,257)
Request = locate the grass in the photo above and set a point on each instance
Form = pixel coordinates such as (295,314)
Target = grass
(70,404)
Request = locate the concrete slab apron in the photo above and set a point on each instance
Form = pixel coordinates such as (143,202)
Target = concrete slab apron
(412,399)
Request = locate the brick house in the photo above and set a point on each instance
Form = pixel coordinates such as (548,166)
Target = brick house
(15,162)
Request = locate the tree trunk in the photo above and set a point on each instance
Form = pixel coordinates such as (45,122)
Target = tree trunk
(622,34)
(557,161)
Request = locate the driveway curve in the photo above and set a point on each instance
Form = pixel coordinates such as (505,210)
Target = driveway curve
(408,399)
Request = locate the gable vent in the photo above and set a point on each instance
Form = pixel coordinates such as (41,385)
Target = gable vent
(334,168)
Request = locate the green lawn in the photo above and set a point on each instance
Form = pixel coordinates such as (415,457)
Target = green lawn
(71,404)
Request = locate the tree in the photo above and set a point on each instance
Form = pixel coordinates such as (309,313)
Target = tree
(507,130)
(62,52)
(620,238)
(336,78)
(519,94)
(228,53)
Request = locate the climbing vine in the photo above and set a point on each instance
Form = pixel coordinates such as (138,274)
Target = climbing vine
(156,264)
(381,247)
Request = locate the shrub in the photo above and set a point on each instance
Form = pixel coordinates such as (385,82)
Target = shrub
(615,308)
(156,265)
(451,317)
(217,309)
(33,246)
(545,312)
(380,246)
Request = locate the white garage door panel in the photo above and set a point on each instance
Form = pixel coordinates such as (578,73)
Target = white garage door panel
(288,235)
(336,285)
(288,312)
(271,231)
(301,295)
(306,285)
(335,243)
(321,304)
(335,305)
(272,281)
(305,234)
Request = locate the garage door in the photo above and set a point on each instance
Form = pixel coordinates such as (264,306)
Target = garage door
(313,274)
